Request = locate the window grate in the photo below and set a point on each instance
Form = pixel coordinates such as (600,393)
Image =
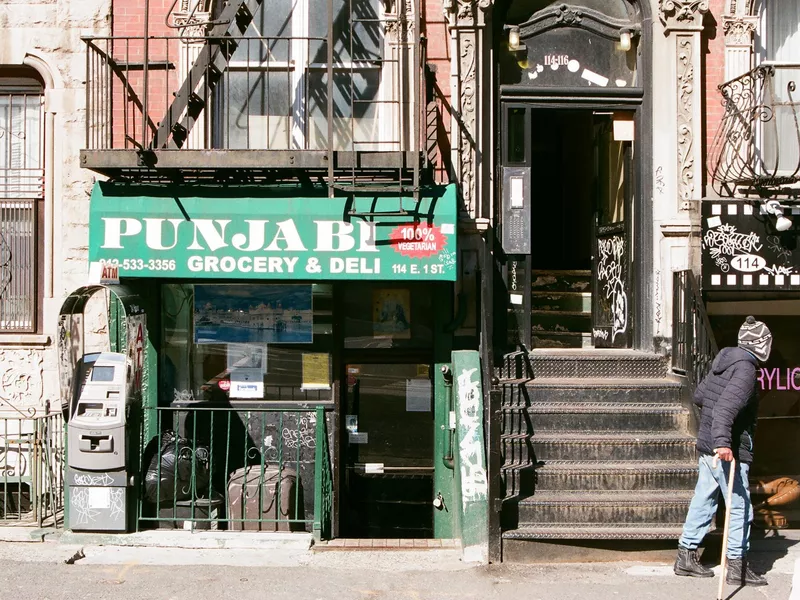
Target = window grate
(18,264)
(21,190)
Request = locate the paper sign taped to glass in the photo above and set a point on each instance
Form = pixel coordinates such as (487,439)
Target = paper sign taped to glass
(247,383)
(361,437)
(316,371)
(246,356)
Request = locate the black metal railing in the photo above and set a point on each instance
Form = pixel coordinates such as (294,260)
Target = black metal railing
(757,147)
(235,468)
(274,93)
(693,343)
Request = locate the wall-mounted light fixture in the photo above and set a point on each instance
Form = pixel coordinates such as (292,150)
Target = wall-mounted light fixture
(774,208)
(625,39)
(514,43)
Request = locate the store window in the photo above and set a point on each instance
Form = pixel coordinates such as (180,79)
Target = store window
(247,342)
(21,199)
(275,95)
(388,316)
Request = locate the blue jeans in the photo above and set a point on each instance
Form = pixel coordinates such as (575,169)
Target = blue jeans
(710,483)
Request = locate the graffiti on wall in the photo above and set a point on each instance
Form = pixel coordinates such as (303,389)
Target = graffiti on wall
(474,483)
(742,248)
(89,505)
(611,277)
(725,241)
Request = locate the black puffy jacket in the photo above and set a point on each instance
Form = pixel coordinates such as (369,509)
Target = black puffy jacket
(729,401)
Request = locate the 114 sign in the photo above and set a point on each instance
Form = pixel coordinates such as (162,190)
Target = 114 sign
(748,263)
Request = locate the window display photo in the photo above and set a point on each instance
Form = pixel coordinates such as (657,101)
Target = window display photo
(253,314)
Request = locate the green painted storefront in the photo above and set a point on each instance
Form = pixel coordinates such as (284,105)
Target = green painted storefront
(338,306)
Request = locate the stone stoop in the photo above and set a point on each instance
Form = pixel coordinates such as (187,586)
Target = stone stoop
(596,449)
(561,309)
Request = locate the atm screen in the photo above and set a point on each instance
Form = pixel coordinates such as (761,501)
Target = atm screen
(103,373)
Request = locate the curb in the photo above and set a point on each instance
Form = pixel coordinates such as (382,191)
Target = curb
(194,540)
(28,534)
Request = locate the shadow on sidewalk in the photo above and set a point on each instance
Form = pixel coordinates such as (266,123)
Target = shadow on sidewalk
(766,547)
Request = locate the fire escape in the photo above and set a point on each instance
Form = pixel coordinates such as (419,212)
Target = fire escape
(223,92)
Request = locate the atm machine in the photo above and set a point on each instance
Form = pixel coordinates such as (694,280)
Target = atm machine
(101,446)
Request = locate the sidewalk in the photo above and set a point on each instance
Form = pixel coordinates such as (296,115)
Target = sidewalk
(177,565)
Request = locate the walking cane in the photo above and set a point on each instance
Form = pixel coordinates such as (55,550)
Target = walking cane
(726,527)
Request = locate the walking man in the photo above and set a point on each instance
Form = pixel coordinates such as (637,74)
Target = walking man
(729,407)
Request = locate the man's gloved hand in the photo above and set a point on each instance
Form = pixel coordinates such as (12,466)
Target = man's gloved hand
(724,453)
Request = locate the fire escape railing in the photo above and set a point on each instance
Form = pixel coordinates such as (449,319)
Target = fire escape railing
(216,86)
(757,147)
(693,343)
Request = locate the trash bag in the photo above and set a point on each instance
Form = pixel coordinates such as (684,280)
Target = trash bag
(174,479)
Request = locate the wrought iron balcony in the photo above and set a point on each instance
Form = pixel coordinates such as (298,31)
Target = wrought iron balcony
(222,99)
(757,148)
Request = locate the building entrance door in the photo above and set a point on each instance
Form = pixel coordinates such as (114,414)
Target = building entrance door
(576,167)
(389,450)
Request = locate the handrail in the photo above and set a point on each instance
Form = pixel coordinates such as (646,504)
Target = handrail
(693,343)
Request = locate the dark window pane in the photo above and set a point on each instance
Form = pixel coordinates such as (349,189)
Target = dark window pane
(516,135)
(238,364)
(388,317)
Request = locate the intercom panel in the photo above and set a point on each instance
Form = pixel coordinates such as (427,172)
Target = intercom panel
(516,205)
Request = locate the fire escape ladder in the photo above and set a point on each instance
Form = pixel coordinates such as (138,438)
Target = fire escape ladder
(399,181)
(193,96)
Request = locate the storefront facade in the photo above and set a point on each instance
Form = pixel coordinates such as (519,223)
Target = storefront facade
(260,299)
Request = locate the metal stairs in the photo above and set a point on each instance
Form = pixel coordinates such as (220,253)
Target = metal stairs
(193,96)
(595,445)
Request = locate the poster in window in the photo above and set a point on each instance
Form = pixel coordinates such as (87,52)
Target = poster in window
(391,313)
(253,314)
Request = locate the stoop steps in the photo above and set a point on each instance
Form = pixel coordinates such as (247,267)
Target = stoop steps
(596,445)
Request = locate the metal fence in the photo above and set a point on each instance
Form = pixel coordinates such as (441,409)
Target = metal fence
(265,469)
(32,470)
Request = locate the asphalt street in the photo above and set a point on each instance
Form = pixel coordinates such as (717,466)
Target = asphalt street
(38,571)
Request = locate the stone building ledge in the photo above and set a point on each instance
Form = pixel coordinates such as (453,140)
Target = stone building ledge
(31,340)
